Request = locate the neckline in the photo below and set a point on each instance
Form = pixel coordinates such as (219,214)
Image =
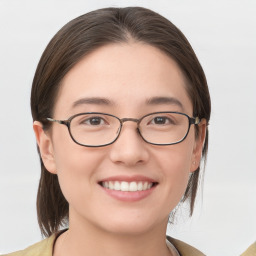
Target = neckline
(170,246)
(56,237)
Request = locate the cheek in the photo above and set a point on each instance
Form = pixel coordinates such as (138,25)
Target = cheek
(75,165)
(71,158)
(175,163)
(176,159)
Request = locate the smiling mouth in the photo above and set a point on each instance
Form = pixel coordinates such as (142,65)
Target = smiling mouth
(128,186)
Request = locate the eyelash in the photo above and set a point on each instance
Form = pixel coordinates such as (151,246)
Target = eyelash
(91,119)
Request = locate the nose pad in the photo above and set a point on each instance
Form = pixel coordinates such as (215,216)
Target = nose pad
(123,120)
(119,129)
(130,148)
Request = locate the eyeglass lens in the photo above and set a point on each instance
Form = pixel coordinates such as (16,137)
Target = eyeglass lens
(95,129)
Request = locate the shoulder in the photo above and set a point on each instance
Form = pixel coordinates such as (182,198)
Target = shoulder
(184,249)
(250,251)
(43,248)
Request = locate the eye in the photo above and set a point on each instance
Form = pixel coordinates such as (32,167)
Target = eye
(162,120)
(94,121)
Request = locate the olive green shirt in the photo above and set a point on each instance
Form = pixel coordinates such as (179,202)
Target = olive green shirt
(45,248)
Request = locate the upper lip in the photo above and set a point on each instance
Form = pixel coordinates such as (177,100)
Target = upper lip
(129,178)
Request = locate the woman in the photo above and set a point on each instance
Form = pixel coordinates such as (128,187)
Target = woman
(120,106)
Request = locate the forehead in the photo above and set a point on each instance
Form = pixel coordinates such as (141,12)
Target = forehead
(126,74)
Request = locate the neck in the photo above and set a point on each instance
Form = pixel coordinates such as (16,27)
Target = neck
(88,239)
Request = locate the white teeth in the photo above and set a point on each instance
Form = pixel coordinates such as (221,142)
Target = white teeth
(133,186)
(117,185)
(140,186)
(127,186)
(111,185)
(145,186)
(124,186)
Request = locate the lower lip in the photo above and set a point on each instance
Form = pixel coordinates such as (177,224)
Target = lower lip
(129,196)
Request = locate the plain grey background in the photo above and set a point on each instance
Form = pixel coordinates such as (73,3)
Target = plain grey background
(223,35)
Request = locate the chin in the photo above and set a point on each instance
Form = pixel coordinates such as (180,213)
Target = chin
(127,225)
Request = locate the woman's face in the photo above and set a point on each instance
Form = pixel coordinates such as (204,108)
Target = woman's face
(126,80)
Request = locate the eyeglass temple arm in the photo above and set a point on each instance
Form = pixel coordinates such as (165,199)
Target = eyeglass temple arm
(57,121)
(196,120)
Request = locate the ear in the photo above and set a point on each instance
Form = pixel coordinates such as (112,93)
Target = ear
(44,143)
(198,147)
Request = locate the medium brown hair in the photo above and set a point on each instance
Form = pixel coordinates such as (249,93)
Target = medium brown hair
(82,36)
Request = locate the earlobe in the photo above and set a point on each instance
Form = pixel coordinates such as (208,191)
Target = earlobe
(199,145)
(45,146)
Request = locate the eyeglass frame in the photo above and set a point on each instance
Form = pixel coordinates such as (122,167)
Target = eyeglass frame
(192,120)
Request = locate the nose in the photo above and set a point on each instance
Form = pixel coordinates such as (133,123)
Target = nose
(129,149)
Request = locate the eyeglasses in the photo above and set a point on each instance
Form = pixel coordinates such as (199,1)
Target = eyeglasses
(96,129)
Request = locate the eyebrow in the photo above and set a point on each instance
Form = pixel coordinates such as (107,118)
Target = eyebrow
(164,100)
(93,101)
(106,102)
